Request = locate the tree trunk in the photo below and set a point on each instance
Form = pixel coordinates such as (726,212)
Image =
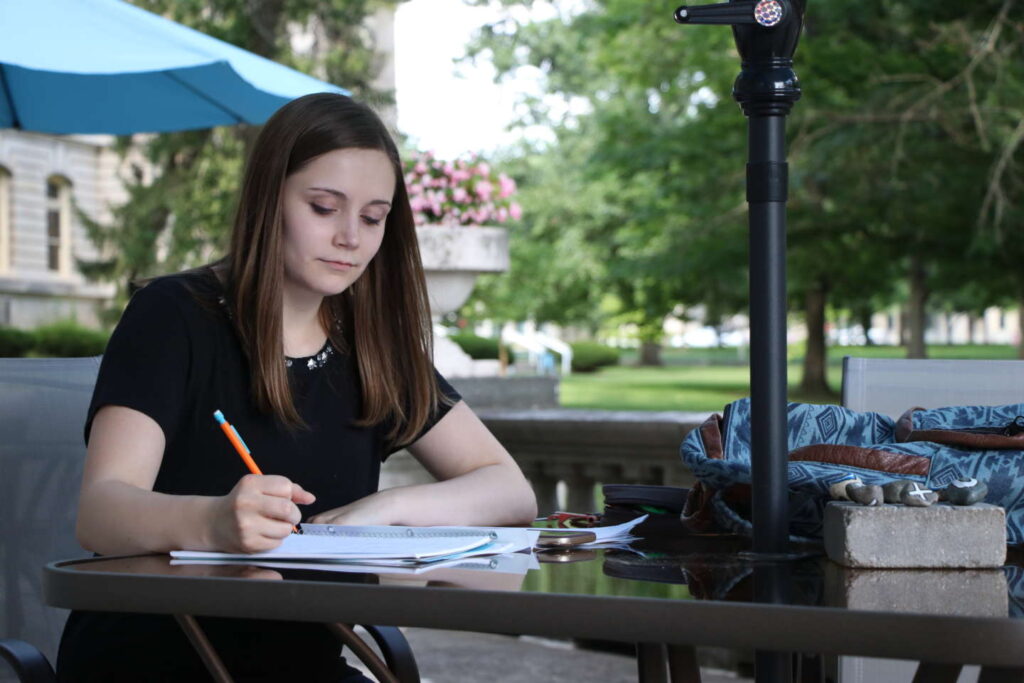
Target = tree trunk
(864,314)
(916,309)
(1020,328)
(813,381)
(650,353)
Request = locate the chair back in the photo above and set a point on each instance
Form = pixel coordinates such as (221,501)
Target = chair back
(43,404)
(892,385)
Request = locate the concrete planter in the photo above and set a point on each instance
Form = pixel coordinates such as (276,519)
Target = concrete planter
(453,258)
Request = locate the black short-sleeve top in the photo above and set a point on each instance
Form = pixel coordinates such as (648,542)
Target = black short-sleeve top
(175,357)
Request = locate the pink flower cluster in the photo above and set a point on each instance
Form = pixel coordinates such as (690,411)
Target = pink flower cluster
(460,192)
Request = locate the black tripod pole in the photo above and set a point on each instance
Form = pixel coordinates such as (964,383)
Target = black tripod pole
(766,33)
(767,182)
(767,220)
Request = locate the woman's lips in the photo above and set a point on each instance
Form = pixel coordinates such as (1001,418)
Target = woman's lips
(339,265)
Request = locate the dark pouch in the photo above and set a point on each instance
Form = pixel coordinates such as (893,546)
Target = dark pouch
(662,504)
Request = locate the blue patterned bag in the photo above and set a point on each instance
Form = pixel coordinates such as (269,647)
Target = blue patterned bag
(828,443)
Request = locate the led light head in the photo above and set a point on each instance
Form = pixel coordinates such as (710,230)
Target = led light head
(768,13)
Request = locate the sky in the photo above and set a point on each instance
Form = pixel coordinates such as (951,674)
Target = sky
(450,109)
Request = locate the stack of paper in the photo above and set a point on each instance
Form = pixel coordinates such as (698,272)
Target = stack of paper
(385,546)
(386,549)
(618,536)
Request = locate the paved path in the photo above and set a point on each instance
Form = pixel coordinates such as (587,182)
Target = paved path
(456,657)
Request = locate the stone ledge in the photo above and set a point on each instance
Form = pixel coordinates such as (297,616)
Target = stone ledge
(29,286)
(496,395)
(592,436)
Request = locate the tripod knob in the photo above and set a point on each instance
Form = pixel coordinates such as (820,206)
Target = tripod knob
(765,13)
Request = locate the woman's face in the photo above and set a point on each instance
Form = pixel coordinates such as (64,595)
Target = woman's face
(334,211)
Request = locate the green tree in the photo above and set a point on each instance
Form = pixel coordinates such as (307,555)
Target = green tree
(181,193)
(643,193)
(921,103)
(904,151)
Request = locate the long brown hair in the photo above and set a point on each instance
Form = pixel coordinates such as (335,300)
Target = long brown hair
(384,316)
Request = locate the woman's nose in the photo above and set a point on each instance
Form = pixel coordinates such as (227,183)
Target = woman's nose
(347,232)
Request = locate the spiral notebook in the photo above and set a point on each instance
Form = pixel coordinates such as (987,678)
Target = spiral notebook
(503,563)
(383,544)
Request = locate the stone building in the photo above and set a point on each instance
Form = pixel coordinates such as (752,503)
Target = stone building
(44,181)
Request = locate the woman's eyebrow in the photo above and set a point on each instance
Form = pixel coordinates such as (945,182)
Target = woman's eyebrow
(342,195)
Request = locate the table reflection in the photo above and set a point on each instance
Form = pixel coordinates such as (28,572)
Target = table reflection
(681,568)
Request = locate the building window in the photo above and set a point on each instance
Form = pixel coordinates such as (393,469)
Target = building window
(6,230)
(58,225)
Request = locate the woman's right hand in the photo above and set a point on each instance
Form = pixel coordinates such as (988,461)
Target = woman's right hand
(259,512)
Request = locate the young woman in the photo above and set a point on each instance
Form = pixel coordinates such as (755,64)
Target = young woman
(313,337)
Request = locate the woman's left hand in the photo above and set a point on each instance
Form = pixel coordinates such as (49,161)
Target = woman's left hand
(478,483)
(377,509)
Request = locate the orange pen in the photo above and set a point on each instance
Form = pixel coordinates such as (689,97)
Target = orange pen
(243,451)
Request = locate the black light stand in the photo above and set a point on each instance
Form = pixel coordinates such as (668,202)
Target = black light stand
(766,33)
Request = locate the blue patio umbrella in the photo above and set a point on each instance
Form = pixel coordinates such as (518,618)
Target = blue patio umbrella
(105,66)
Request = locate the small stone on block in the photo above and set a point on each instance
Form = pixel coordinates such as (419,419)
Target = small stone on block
(838,489)
(892,491)
(892,536)
(965,491)
(918,496)
(870,494)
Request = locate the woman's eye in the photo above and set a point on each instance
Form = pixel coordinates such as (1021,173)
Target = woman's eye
(321,210)
(370,220)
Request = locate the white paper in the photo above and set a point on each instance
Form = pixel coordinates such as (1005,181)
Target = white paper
(617,532)
(617,536)
(383,543)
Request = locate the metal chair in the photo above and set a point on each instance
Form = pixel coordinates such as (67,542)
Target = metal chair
(890,386)
(43,403)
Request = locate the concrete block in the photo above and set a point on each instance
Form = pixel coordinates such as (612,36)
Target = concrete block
(897,536)
(965,592)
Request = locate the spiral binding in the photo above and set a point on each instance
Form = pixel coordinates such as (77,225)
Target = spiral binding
(408,532)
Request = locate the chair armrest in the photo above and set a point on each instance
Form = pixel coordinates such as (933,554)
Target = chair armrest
(397,652)
(29,664)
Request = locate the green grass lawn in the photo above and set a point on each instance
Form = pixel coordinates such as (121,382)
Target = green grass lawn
(706,379)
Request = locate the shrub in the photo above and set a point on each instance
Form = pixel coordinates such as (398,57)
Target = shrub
(68,339)
(15,343)
(589,356)
(478,348)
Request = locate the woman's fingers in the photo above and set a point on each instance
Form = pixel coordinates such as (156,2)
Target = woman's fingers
(282,509)
(282,487)
(301,495)
(274,496)
(262,510)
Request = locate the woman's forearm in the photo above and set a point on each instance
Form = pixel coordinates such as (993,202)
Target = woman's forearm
(116,518)
(493,495)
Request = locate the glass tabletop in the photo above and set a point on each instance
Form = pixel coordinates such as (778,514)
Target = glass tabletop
(666,587)
(671,566)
